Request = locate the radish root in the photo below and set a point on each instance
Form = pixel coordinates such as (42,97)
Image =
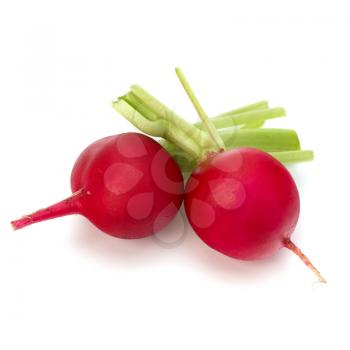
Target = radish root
(296,250)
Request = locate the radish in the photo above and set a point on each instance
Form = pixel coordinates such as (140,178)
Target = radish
(127,185)
(243,202)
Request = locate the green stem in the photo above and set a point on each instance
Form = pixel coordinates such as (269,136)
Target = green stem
(205,120)
(174,119)
(187,163)
(228,119)
(293,156)
(150,127)
(254,125)
(282,143)
(268,140)
(160,127)
(248,108)
(137,104)
(152,117)
(251,107)
(187,143)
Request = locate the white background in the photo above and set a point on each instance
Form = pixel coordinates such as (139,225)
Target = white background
(64,284)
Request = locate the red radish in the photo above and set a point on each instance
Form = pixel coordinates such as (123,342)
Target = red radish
(127,185)
(245,204)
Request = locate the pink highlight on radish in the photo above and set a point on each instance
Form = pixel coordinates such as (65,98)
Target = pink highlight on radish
(227,193)
(138,149)
(163,216)
(162,175)
(121,178)
(140,205)
(226,164)
(202,214)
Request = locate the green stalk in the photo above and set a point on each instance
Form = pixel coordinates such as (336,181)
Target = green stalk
(210,128)
(161,128)
(188,144)
(269,140)
(293,156)
(251,107)
(282,143)
(149,127)
(137,104)
(228,119)
(175,120)
(154,118)
(187,163)
(254,125)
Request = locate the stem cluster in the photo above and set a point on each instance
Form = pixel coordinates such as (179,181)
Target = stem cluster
(190,143)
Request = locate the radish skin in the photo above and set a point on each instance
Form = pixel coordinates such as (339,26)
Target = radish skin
(127,185)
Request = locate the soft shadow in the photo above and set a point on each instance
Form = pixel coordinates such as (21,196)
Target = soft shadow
(222,267)
(88,240)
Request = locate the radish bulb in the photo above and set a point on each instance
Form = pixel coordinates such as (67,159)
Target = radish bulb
(127,185)
(242,202)
(245,204)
